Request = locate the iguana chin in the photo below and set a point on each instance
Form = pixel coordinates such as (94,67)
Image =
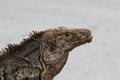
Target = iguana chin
(43,55)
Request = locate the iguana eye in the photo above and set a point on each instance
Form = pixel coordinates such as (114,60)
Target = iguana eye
(68,35)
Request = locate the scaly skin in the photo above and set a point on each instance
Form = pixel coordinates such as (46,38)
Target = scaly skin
(43,55)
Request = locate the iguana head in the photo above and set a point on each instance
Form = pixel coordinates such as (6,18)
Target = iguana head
(67,39)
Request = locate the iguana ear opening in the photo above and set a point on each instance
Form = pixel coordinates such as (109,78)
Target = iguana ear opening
(50,40)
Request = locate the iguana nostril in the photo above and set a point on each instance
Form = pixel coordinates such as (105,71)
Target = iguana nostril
(88,32)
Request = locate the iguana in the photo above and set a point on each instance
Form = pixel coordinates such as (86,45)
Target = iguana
(43,55)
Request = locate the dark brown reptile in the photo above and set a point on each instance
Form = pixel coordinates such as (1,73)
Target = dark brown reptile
(42,56)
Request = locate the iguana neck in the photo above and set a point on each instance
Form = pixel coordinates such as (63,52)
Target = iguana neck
(33,46)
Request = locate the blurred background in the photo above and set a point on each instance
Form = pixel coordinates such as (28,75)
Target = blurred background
(99,60)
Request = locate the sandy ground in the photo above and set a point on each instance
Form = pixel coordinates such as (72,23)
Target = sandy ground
(99,60)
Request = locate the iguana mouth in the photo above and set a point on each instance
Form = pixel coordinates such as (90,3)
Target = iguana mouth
(89,39)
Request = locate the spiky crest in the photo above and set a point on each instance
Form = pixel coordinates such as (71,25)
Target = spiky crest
(12,48)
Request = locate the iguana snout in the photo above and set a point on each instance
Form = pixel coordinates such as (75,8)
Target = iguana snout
(84,35)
